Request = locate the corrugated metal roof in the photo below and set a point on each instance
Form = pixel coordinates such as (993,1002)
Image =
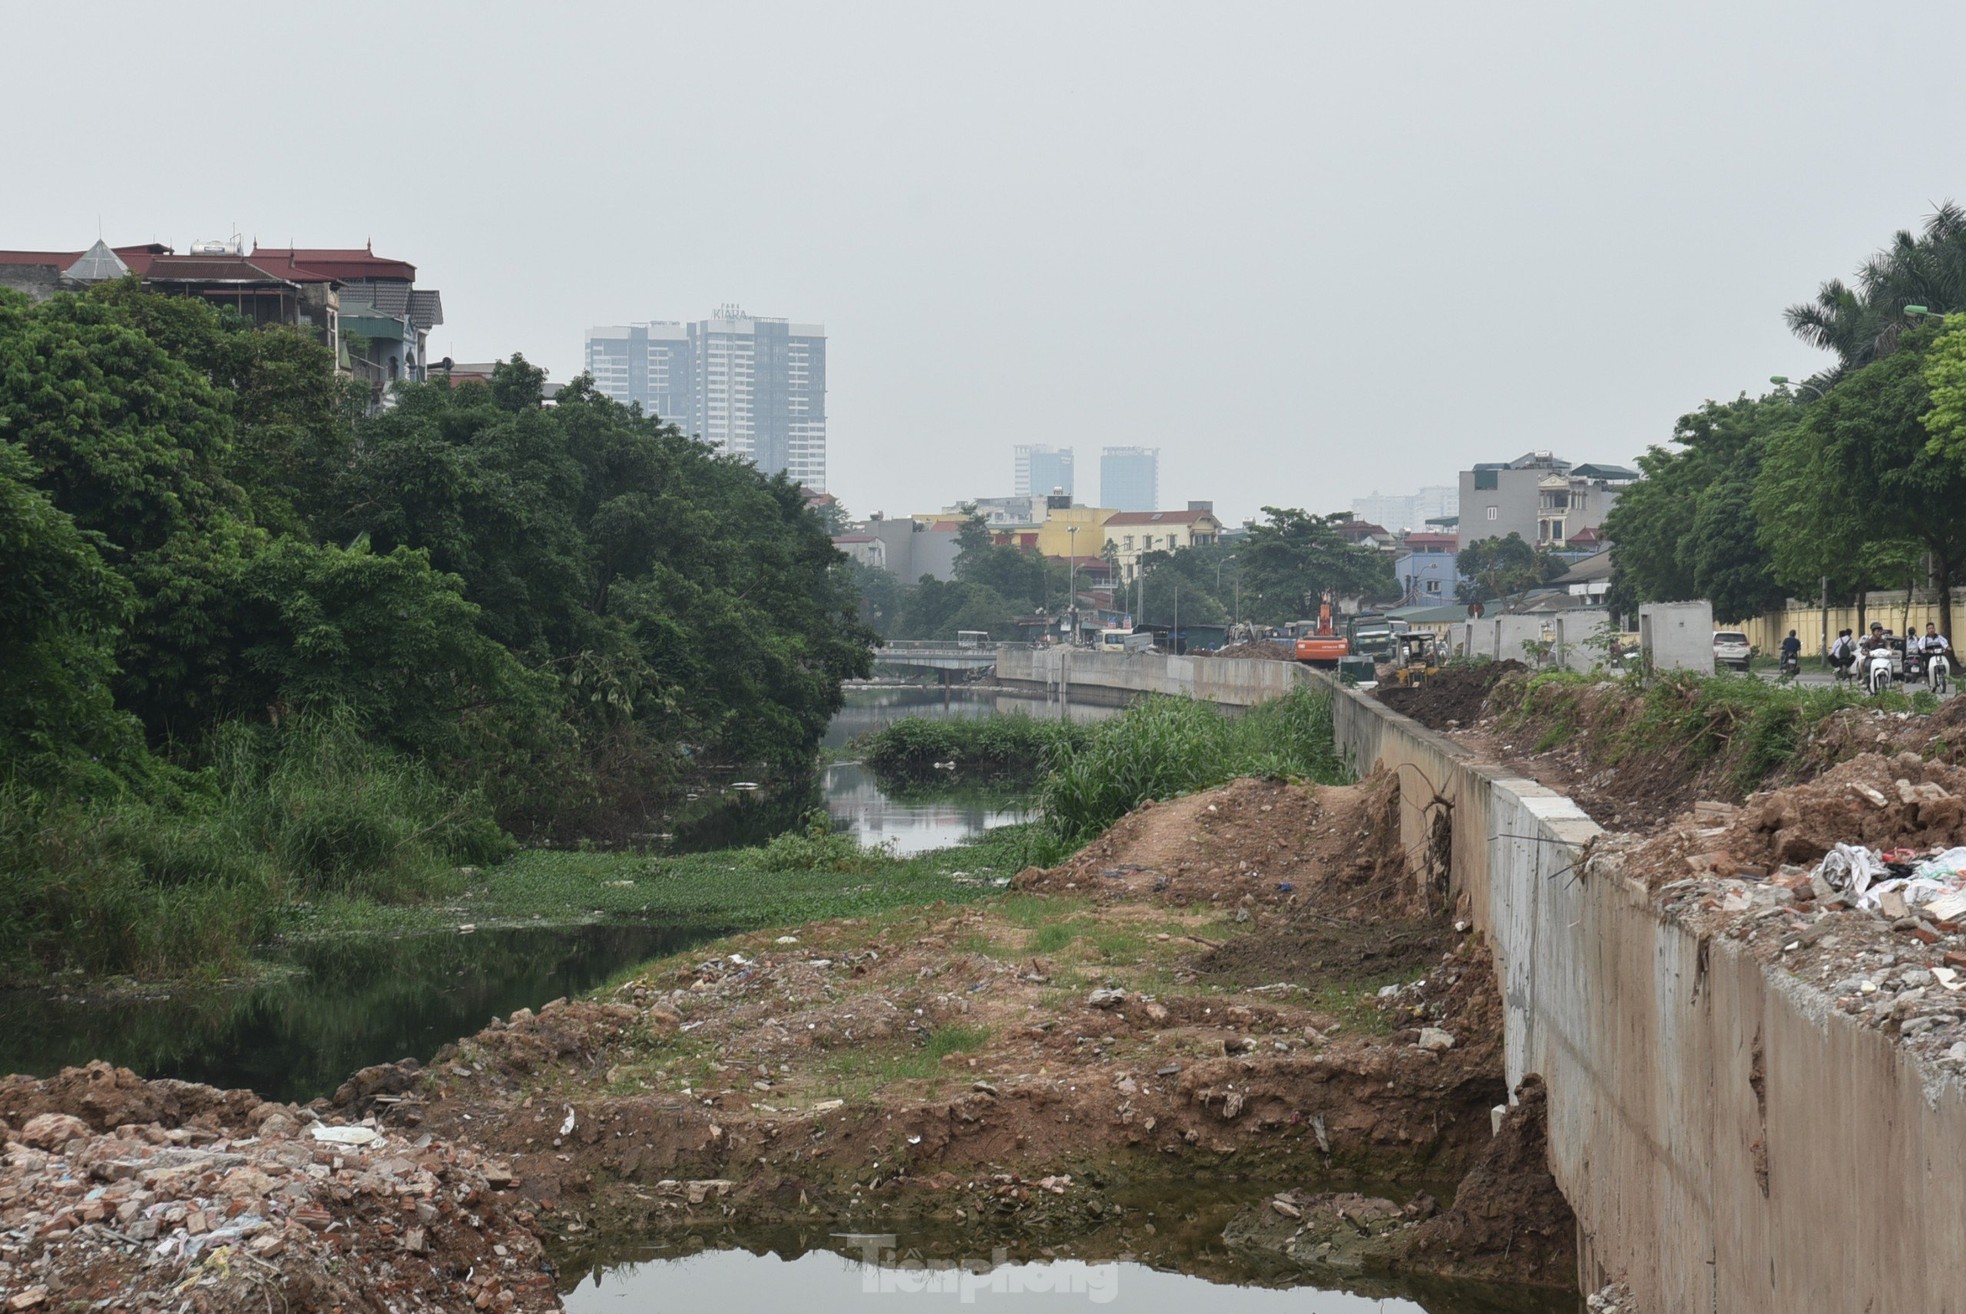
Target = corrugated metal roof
(222,269)
(358,263)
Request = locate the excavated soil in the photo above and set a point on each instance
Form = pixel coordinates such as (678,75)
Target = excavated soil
(1233,986)
(1241,986)
(1454,698)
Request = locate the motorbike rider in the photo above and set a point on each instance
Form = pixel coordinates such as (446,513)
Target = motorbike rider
(1934,642)
(1843,653)
(1791,649)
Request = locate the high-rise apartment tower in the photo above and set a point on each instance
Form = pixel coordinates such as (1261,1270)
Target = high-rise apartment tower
(751,385)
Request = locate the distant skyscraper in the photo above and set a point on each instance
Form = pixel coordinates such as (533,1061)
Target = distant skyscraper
(1129,478)
(1408,511)
(1041,468)
(751,385)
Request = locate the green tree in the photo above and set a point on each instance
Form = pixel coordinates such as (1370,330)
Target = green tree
(1493,568)
(1688,529)
(1016,575)
(1862,470)
(1291,557)
(60,612)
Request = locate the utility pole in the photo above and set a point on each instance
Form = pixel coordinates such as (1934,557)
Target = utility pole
(1826,617)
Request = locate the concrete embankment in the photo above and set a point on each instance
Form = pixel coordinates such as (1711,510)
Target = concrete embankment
(1726,1139)
(1230,682)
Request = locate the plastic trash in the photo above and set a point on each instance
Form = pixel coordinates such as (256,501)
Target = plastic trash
(345,1135)
(1852,868)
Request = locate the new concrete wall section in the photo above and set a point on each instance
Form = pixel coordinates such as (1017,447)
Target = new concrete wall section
(1728,1142)
(1237,682)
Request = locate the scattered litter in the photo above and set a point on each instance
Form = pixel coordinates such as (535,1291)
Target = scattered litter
(344,1135)
(567,1127)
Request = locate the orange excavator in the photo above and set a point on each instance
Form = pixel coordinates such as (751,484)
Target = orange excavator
(1322,646)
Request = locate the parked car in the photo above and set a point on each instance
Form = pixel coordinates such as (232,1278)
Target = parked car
(1731,648)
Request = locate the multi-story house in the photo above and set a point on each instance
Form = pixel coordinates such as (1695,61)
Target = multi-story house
(1543,499)
(1131,535)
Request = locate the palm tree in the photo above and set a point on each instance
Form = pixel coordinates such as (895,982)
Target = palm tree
(1862,324)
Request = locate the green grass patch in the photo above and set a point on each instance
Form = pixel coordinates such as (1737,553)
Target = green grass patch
(1015,745)
(793,879)
(1747,728)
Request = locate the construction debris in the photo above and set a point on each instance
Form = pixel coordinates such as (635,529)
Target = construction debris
(217,1202)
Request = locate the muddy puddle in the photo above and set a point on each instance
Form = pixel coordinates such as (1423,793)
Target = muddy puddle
(1176,1265)
(343,1006)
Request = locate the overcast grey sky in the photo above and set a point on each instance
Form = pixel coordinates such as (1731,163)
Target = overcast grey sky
(1308,250)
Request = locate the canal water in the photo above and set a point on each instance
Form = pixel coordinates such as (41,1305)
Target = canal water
(344,1004)
(860,807)
(842,1273)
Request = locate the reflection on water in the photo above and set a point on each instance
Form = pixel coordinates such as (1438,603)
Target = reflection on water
(861,808)
(936,819)
(349,1004)
(841,1273)
(825,1283)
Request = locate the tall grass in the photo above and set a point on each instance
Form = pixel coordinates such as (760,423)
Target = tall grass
(190,879)
(1164,747)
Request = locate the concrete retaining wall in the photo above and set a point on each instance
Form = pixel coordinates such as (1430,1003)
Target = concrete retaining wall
(1728,1143)
(1236,682)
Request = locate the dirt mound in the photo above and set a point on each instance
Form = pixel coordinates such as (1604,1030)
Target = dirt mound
(1453,698)
(1900,802)
(1253,842)
(106,1098)
(245,1205)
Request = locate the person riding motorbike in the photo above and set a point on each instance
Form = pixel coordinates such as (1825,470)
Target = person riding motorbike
(1934,641)
(1791,654)
(1876,649)
(1843,653)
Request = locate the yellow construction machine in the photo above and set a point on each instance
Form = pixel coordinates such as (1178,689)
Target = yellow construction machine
(1416,658)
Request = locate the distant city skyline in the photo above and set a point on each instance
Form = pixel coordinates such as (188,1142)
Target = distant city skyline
(752,384)
(1410,510)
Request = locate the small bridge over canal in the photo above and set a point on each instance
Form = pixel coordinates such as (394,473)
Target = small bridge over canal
(936,655)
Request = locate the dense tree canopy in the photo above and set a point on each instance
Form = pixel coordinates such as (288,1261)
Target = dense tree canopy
(545,601)
(1689,529)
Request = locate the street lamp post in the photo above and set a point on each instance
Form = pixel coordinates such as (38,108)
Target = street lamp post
(1072,577)
(1782,381)
(1218,584)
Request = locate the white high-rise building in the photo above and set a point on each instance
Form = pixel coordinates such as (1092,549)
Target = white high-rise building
(751,385)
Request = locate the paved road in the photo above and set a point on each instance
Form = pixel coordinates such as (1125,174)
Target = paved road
(1815,674)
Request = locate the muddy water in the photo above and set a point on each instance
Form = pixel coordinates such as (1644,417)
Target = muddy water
(849,1274)
(343,1005)
(860,807)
